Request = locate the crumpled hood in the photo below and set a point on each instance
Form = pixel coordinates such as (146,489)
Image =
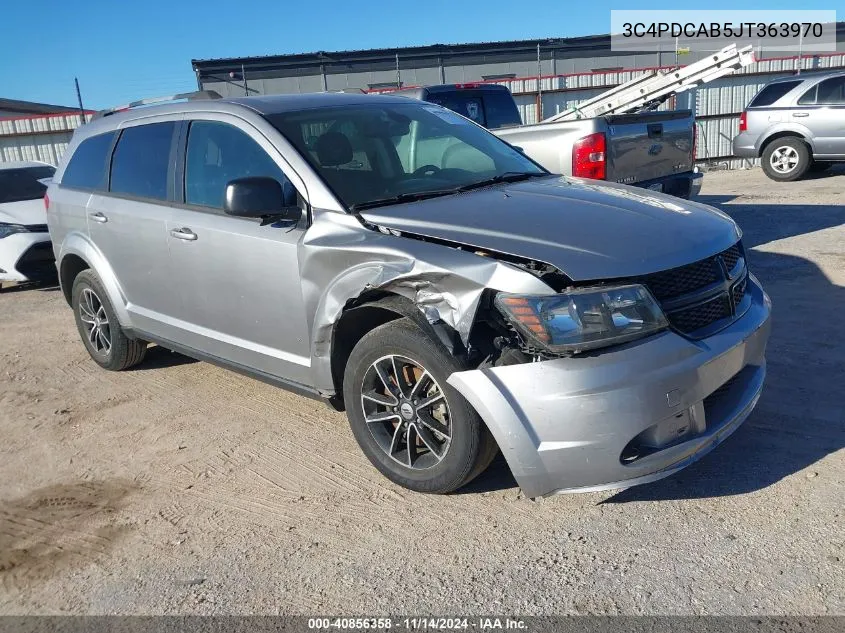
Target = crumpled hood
(587,229)
(23,212)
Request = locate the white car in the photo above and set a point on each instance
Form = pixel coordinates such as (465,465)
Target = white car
(26,253)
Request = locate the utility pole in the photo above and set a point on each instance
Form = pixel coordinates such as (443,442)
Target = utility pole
(243,74)
(800,50)
(539,86)
(79,98)
(398,75)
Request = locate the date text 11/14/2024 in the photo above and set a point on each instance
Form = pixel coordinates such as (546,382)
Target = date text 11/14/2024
(417,623)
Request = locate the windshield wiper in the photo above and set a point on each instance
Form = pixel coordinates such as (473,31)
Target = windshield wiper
(508,176)
(400,198)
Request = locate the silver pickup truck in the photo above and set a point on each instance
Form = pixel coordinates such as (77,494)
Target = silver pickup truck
(654,150)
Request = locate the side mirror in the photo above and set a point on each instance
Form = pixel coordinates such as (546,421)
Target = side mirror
(261,197)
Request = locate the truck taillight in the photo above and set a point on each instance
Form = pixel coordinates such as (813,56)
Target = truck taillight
(589,159)
(46,202)
(743,122)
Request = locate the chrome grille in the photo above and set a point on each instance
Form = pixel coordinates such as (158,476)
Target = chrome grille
(702,297)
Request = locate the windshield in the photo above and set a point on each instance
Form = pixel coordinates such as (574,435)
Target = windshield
(22,183)
(387,153)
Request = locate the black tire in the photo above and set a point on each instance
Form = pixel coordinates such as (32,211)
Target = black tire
(789,148)
(471,447)
(819,166)
(122,352)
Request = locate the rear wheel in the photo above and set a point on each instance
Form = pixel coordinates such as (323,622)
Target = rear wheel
(98,327)
(412,426)
(786,159)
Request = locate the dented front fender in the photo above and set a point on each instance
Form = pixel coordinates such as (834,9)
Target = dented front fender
(340,259)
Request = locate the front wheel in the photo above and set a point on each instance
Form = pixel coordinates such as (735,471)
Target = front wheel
(786,159)
(412,426)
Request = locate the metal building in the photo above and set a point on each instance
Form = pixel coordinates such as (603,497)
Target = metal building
(545,76)
(15,108)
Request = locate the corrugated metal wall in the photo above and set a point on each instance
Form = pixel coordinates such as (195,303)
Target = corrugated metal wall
(42,137)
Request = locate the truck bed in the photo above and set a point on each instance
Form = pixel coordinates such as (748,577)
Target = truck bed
(640,147)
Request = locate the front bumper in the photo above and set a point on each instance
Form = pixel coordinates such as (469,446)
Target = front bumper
(27,257)
(686,185)
(627,416)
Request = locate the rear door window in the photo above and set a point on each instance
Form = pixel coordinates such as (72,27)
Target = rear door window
(831,91)
(771,93)
(23,183)
(88,167)
(140,163)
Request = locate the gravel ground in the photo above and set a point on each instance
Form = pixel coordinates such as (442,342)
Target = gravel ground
(183,488)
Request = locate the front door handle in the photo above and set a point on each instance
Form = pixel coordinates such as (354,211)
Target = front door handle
(97,216)
(800,114)
(184,234)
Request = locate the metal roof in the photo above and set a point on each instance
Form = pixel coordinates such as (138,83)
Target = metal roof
(32,107)
(587,42)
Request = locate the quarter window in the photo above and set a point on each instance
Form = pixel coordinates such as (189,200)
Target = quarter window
(771,93)
(139,164)
(809,97)
(218,153)
(88,166)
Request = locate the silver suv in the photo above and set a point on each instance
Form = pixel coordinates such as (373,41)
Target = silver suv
(399,261)
(795,125)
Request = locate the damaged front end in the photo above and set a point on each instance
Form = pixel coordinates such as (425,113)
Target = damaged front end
(584,386)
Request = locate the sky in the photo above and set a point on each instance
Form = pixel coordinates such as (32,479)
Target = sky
(122,50)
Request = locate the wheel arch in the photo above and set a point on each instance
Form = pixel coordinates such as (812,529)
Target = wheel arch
(78,254)
(797,134)
(369,311)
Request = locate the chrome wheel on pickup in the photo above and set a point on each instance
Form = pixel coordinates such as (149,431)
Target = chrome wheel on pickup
(411,425)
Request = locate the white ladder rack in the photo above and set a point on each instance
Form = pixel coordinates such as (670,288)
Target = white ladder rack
(654,87)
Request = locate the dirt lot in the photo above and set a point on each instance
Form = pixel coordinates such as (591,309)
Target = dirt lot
(183,488)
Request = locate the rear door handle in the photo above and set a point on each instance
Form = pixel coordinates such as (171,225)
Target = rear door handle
(97,216)
(800,114)
(184,234)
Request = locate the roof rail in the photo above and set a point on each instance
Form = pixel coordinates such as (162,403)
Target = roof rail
(189,96)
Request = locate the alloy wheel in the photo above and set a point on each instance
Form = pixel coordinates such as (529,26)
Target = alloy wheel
(95,322)
(784,159)
(406,412)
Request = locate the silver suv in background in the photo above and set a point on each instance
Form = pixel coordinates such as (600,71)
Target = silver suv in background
(598,335)
(795,125)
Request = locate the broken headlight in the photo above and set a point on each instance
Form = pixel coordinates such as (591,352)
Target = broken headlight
(580,320)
